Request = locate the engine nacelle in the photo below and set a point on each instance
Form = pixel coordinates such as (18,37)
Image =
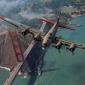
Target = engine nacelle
(59,44)
(72,46)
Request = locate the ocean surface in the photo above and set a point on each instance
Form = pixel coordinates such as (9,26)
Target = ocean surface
(63,68)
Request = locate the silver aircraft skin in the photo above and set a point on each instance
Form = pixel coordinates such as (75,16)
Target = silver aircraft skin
(48,38)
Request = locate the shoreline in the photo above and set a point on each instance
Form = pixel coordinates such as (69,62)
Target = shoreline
(8,69)
(73,16)
(76,15)
(19,73)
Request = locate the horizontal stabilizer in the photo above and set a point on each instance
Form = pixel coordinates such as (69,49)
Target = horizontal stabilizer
(59,25)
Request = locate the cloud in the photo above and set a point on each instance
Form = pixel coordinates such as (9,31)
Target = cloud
(25,8)
(6,6)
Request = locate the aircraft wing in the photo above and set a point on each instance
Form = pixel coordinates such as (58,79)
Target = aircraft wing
(71,46)
(24,28)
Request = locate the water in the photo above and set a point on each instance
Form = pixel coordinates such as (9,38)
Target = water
(68,69)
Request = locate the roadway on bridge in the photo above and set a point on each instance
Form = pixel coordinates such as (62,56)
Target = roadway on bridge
(14,72)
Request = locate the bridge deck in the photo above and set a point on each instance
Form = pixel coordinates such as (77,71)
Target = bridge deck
(14,72)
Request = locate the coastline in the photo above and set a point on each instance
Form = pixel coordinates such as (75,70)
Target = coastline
(8,69)
(76,15)
(24,75)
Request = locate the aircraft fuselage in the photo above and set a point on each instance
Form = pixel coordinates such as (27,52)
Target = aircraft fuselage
(50,35)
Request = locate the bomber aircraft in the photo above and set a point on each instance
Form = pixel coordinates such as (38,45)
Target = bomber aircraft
(46,38)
